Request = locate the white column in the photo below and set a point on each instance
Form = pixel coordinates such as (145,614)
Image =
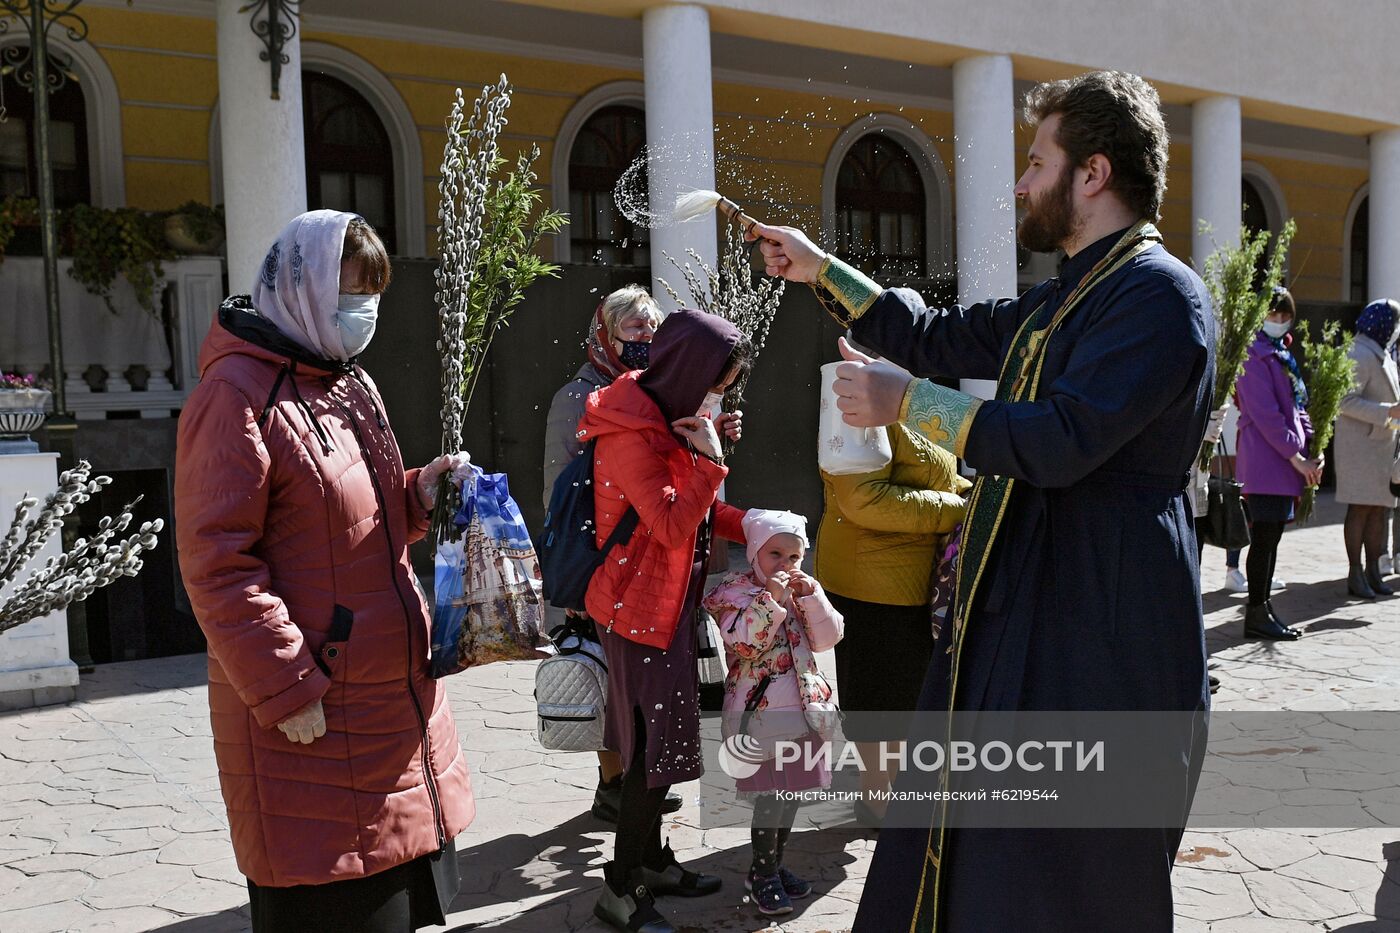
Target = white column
(680,133)
(1217,197)
(984,180)
(1383,260)
(264,155)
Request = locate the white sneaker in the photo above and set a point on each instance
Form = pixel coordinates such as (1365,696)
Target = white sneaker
(1235,581)
(1387,565)
(1277,584)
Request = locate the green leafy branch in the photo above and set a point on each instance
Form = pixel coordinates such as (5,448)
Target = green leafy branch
(1331,372)
(1240,304)
(508,261)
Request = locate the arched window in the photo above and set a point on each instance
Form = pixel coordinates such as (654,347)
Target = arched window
(1359,246)
(605,145)
(880,208)
(1255,218)
(68,138)
(349,163)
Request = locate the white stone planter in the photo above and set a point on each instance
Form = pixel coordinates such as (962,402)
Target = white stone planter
(25,399)
(21,411)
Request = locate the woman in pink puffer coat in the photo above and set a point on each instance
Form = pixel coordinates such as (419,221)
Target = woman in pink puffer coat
(338,758)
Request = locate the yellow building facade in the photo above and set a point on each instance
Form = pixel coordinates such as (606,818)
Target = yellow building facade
(774,141)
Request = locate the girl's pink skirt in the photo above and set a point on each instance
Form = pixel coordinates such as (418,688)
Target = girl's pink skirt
(811,772)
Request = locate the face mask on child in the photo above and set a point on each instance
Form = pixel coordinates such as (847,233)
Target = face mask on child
(711,406)
(1276,329)
(356,316)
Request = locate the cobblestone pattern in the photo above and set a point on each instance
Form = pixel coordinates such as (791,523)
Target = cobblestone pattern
(111,818)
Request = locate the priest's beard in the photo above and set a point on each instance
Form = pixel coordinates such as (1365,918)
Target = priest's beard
(1049,221)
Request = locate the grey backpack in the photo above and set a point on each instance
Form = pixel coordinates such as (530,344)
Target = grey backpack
(571,690)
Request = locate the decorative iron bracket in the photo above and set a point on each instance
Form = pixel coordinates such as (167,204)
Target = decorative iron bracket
(275,29)
(18,60)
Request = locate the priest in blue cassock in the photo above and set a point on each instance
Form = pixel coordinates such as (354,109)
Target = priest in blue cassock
(1078,582)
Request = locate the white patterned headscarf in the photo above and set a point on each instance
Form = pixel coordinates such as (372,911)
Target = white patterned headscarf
(760,525)
(298,287)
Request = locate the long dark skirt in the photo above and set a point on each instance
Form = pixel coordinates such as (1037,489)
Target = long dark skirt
(662,687)
(397,900)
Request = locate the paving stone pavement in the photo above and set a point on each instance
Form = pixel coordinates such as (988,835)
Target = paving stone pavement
(111,820)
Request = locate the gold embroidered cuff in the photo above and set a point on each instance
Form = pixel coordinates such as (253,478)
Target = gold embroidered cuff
(942,415)
(907,400)
(855,290)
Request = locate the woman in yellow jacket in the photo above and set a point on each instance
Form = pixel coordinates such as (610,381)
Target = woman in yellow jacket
(879,542)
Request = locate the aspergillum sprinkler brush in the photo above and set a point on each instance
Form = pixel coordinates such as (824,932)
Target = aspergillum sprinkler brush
(698,203)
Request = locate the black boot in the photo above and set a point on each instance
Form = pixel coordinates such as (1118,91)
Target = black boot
(629,906)
(671,877)
(1373,577)
(1358,585)
(1260,622)
(608,798)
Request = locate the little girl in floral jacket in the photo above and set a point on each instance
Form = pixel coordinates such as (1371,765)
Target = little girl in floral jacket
(773,618)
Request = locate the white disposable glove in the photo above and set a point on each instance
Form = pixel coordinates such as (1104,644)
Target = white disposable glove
(1215,425)
(458,464)
(306,725)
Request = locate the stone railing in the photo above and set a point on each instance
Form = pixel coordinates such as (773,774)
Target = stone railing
(127,361)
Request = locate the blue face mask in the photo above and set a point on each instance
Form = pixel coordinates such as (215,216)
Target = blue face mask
(1277,329)
(356,316)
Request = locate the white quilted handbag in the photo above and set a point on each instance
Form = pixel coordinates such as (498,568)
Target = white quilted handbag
(709,650)
(571,691)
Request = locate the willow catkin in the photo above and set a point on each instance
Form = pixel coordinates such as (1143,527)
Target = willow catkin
(90,564)
(469,157)
(730,290)
(733,292)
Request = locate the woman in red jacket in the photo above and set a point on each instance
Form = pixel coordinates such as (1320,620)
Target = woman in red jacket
(658,452)
(338,758)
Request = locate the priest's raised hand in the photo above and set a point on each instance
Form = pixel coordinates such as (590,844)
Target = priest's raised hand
(787,252)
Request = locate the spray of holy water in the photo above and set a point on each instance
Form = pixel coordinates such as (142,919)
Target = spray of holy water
(632,193)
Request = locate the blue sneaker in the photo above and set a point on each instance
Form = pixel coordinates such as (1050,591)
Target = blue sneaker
(768,894)
(793,885)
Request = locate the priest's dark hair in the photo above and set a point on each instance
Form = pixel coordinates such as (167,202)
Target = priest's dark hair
(1117,115)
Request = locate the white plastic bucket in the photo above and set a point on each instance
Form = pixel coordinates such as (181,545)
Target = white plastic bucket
(841,448)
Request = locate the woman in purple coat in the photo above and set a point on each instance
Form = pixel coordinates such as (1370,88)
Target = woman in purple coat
(1272,457)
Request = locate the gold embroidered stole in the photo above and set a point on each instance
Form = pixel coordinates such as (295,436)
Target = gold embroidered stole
(1018,382)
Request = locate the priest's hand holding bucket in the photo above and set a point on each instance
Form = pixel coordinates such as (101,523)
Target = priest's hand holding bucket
(869,392)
